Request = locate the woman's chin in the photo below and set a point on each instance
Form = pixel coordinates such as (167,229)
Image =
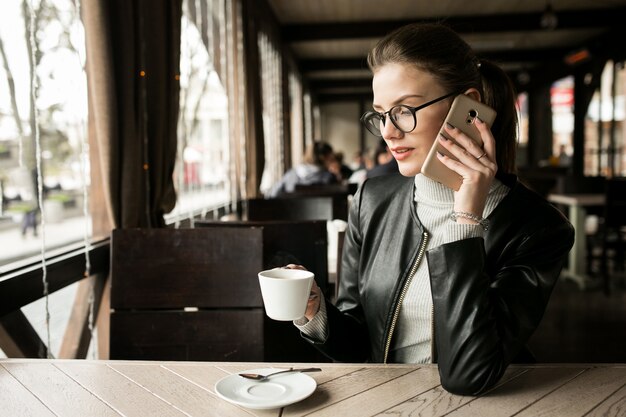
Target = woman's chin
(408,169)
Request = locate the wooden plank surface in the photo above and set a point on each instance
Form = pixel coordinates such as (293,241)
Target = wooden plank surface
(439,402)
(579,395)
(120,393)
(346,386)
(614,405)
(32,387)
(17,400)
(520,392)
(193,399)
(56,390)
(376,398)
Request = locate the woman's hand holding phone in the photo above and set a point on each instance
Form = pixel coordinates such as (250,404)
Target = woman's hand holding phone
(476,166)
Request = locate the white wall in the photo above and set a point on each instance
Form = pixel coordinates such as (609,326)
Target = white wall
(341,128)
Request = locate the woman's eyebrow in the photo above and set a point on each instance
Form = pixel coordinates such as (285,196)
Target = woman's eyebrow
(399,100)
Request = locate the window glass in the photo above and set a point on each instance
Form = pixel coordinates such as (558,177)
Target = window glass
(522,137)
(562,101)
(604,151)
(44,172)
(201,173)
(272,103)
(297,118)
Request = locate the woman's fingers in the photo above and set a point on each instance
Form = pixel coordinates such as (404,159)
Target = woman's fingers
(489,142)
(470,156)
(294,266)
(313,305)
(462,146)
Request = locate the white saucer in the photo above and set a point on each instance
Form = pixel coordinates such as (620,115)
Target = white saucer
(276,392)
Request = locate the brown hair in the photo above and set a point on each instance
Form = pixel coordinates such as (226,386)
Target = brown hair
(316,153)
(439,50)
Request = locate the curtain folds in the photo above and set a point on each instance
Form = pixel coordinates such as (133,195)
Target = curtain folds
(133,54)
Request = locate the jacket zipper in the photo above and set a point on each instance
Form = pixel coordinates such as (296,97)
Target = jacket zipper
(396,313)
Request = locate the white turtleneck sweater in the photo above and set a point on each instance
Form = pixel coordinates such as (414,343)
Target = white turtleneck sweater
(412,339)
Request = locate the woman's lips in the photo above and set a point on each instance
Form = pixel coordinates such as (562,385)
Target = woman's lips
(401,153)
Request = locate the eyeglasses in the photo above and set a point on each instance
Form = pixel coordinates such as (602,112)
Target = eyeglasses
(402,116)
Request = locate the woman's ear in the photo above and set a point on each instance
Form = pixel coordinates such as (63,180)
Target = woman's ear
(473,93)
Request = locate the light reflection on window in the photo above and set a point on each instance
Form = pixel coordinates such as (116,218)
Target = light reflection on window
(201,173)
(61,108)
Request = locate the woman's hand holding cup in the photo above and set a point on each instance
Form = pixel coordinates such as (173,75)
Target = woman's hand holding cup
(313,305)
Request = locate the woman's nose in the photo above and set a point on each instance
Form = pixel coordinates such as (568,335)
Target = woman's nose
(390,130)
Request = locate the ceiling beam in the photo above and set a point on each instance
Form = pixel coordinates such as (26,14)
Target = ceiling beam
(322,84)
(332,64)
(567,19)
(509,55)
(323,98)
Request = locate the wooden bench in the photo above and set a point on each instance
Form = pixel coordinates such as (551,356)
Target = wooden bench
(295,207)
(193,294)
(326,189)
(301,242)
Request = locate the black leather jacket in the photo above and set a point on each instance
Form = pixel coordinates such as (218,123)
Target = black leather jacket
(489,294)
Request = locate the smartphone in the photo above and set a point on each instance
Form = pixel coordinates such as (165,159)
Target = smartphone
(462,115)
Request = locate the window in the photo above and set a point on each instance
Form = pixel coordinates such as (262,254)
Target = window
(272,103)
(201,173)
(562,100)
(522,137)
(44,172)
(44,164)
(604,125)
(297,118)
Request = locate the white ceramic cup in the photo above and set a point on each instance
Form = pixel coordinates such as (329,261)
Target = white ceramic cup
(285,292)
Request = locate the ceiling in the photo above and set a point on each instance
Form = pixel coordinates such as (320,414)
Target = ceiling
(330,38)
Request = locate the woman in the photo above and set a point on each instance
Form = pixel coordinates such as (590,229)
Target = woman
(319,166)
(429,274)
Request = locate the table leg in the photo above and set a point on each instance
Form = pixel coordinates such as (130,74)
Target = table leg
(577,255)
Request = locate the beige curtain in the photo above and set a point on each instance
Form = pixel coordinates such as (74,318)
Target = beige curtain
(133,53)
(272,100)
(297,117)
(229,32)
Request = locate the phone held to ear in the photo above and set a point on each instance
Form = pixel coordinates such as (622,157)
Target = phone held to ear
(462,114)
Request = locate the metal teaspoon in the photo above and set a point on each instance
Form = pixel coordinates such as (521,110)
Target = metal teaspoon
(259,377)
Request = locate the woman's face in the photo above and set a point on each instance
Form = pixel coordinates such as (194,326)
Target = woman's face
(395,84)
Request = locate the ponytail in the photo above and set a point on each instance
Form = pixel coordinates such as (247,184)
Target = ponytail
(498,92)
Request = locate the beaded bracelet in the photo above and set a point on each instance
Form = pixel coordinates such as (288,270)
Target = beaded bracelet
(483,222)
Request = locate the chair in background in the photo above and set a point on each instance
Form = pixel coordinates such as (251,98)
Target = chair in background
(340,193)
(610,239)
(326,189)
(542,180)
(579,185)
(294,208)
(193,294)
(302,242)
(571,185)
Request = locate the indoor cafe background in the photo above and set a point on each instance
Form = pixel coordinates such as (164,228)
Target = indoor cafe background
(249,104)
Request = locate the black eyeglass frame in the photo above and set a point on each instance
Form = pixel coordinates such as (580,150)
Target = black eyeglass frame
(413,110)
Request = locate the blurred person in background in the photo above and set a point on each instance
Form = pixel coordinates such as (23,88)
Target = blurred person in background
(385,162)
(319,166)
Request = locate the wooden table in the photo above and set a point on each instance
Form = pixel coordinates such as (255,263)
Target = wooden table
(577,206)
(31,387)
